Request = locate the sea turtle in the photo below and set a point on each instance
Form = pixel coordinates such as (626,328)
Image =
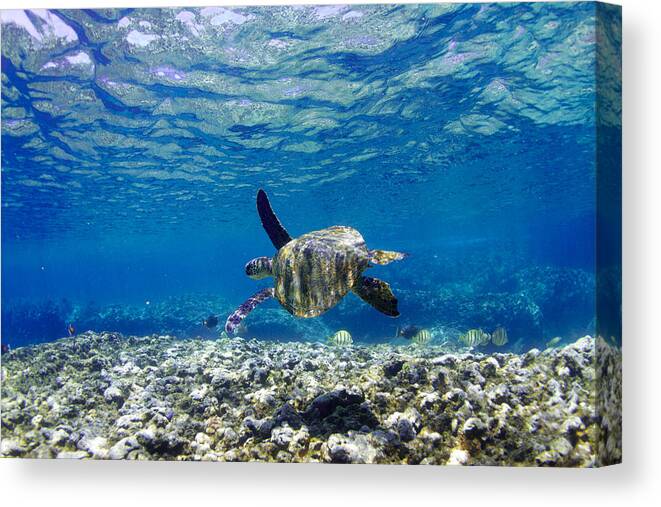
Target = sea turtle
(313,272)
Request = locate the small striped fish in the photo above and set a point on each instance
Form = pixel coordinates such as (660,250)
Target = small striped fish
(341,339)
(499,337)
(422,337)
(475,338)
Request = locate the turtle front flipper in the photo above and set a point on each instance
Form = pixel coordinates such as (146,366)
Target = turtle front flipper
(248,306)
(378,294)
(383,257)
(277,233)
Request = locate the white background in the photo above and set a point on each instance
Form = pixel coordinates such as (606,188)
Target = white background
(636,482)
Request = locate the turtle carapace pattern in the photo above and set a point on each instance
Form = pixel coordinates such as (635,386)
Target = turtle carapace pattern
(313,272)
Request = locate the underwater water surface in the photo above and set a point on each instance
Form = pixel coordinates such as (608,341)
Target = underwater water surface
(134,143)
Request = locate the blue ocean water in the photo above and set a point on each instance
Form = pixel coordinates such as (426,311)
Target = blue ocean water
(134,143)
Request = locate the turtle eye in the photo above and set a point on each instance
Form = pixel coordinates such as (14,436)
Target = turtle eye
(250,269)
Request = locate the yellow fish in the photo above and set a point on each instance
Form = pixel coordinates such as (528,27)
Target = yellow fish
(475,338)
(422,337)
(499,337)
(341,339)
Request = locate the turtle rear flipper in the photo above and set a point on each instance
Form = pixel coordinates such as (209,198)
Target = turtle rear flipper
(378,294)
(383,257)
(277,233)
(248,306)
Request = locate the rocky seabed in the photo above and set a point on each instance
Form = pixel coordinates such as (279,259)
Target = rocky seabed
(106,396)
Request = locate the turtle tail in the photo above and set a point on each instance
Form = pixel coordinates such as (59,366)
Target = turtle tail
(383,257)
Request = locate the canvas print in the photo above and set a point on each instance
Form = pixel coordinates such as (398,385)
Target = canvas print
(383,234)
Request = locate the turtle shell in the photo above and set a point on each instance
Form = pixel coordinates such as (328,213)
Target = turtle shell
(314,271)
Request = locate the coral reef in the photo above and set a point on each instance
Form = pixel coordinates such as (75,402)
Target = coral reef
(25,323)
(107,396)
(180,316)
(534,304)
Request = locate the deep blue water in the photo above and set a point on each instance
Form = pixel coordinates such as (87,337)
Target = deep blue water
(134,142)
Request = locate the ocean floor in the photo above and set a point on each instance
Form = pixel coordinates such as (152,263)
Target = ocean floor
(107,396)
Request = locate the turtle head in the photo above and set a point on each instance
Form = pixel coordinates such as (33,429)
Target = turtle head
(259,267)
